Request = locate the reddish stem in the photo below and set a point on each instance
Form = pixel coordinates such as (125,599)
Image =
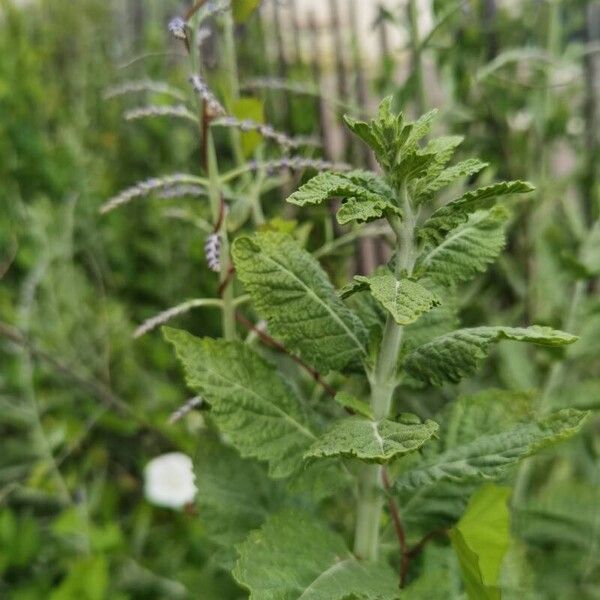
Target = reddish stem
(267,339)
(398,528)
(418,547)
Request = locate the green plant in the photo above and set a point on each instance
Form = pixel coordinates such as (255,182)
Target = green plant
(370,348)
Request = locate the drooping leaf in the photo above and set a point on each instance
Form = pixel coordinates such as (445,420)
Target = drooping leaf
(456,212)
(249,401)
(481,539)
(366,195)
(405,299)
(488,456)
(328,185)
(466,250)
(453,356)
(372,441)
(291,291)
(295,556)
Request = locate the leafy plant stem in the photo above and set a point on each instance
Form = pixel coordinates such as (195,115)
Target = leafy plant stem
(398,528)
(383,383)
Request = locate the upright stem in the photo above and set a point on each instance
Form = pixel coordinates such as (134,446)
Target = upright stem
(383,384)
(214,191)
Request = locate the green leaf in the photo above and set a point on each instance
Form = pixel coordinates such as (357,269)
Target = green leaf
(234,497)
(359,210)
(405,299)
(358,406)
(290,289)
(295,556)
(242,9)
(466,250)
(328,185)
(481,539)
(372,441)
(456,212)
(367,196)
(249,401)
(456,355)
(430,185)
(489,455)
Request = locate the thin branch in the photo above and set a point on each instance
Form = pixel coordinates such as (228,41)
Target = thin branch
(398,528)
(269,341)
(418,547)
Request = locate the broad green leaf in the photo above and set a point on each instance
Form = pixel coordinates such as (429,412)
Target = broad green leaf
(242,9)
(372,441)
(290,289)
(466,250)
(488,456)
(294,556)
(235,496)
(456,355)
(351,402)
(481,539)
(405,299)
(250,402)
(456,212)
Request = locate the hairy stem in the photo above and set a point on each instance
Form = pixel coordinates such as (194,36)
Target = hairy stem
(383,384)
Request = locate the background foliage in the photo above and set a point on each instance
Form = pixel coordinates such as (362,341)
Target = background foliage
(84,406)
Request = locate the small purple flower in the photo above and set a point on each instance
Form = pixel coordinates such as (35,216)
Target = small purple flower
(177,28)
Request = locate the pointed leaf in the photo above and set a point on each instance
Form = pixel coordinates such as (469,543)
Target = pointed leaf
(481,539)
(456,355)
(405,299)
(466,250)
(249,401)
(488,456)
(456,212)
(290,289)
(294,556)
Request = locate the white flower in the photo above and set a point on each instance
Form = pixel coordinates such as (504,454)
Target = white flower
(169,480)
